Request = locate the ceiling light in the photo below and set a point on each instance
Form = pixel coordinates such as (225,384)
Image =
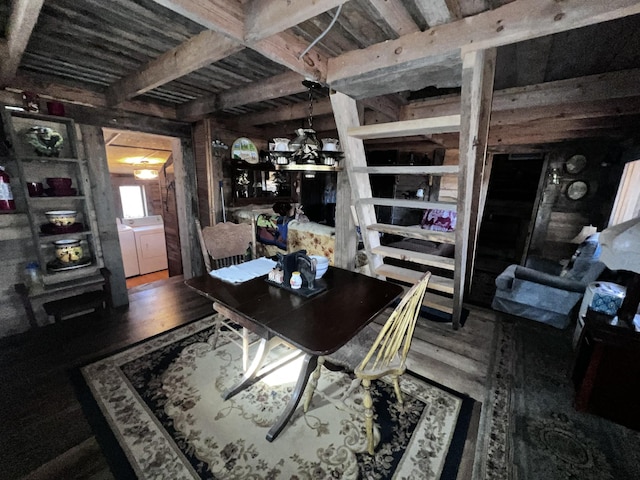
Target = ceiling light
(145,173)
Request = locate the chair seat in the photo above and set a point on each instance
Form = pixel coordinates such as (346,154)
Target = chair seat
(351,354)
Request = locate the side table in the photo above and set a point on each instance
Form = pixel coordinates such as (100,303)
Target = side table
(606,371)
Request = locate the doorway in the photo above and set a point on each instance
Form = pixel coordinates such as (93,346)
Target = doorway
(505,230)
(141,168)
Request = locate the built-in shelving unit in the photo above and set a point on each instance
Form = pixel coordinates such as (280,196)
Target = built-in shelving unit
(33,166)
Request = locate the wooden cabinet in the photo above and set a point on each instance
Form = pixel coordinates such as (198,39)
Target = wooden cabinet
(30,161)
(261,183)
(606,371)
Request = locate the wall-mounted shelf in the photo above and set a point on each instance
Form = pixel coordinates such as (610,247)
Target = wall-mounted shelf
(294,167)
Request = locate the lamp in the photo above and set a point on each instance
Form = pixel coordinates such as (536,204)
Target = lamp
(145,173)
(218,147)
(585,233)
(554,176)
(621,251)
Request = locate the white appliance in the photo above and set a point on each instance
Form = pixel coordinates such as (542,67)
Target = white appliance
(151,246)
(129,250)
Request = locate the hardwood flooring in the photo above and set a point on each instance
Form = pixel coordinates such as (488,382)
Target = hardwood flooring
(44,434)
(148,278)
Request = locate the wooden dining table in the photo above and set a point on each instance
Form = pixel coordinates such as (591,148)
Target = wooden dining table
(316,326)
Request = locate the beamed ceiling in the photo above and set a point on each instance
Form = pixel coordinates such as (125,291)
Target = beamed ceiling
(243,61)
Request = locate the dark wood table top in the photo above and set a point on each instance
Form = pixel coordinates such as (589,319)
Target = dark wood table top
(318,325)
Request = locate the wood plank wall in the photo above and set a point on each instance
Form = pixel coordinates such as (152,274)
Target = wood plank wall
(559,219)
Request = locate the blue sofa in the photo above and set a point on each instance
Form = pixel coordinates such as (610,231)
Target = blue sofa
(544,291)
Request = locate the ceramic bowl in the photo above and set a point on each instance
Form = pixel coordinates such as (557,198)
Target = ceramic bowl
(61,218)
(59,183)
(322,265)
(68,250)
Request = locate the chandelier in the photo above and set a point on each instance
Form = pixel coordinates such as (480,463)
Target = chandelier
(306,152)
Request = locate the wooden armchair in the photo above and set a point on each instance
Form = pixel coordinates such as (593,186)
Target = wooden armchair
(372,355)
(223,245)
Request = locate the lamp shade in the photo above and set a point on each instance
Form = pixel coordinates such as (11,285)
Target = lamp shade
(621,246)
(585,233)
(145,174)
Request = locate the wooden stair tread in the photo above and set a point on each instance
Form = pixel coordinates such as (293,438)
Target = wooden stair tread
(440,284)
(438,261)
(436,301)
(406,128)
(414,232)
(399,202)
(410,170)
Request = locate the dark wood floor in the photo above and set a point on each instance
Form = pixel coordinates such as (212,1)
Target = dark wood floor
(45,435)
(42,419)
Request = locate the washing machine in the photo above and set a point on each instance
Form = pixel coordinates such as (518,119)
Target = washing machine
(151,246)
(129,251)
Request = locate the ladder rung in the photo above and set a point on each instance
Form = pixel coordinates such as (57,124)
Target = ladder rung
(410,170)
(414,232)
(440,284)
(399,202)
(438,261)
(406,128)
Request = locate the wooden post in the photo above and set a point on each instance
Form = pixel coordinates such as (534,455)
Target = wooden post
(95,150)
(478,69)
(346,114)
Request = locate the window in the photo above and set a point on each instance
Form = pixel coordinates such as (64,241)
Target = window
(133,201)
(627,202)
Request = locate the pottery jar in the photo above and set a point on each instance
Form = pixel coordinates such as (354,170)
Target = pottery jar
(296,280)
(68,250)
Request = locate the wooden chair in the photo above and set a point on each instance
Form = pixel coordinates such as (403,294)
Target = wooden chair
(371,355)
(223,245)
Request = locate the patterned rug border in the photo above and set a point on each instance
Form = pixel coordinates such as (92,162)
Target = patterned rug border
(120,463)
(493,458)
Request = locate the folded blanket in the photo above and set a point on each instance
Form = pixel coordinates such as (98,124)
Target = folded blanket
(244,271)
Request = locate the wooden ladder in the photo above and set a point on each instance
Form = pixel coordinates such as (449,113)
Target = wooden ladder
(446,291)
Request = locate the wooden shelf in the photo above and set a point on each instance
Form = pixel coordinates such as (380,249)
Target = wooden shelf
(308,168)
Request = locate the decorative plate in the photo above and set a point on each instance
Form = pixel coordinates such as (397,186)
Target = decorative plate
(575,164)
(577,190)
(245,149)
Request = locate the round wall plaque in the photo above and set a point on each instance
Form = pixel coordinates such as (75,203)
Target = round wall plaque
(575,164)
(577,190)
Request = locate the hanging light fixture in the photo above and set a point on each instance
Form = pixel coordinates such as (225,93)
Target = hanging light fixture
(306,152)
(144,173)
(306,146)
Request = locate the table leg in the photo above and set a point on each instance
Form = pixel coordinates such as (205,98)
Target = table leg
(250,376)
(308,366)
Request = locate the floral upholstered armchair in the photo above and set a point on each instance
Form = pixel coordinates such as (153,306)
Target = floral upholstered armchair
(548,294)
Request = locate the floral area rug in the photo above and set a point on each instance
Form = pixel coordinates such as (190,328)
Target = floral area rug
(536,433)
(162,402)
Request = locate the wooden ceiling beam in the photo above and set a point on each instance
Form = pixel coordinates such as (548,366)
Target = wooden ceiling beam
(593,88)
(22,19)
(387,106)
(514,22)
(204,49)
(228,19)
(289,83)
(437,12)
(289,112)
(264,18)
(48,90)
(395,15)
